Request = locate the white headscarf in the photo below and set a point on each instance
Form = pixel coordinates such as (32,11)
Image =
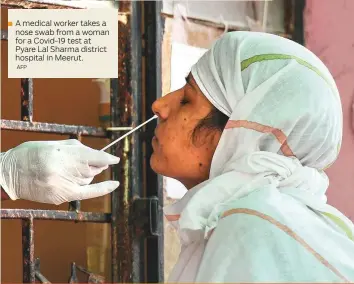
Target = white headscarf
(285,126)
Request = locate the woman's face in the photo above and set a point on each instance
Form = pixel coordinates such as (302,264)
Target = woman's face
(175,153)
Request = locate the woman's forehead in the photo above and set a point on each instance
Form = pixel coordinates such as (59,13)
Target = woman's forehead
(189,78)
(190,81)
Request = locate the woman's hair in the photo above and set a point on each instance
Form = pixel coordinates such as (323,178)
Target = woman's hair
(214,121)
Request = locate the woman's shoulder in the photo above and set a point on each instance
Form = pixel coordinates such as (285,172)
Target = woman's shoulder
(277,232)
(274,251)
(268,202)
(261,213)
(270,210)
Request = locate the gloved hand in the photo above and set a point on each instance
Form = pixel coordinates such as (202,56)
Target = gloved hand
(54,172)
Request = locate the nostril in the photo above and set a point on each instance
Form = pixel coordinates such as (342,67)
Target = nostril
(161,108)
(159,114)
(156,113)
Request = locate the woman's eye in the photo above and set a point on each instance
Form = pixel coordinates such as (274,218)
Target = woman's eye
(184,101)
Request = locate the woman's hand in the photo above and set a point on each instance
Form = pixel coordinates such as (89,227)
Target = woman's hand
(54,171)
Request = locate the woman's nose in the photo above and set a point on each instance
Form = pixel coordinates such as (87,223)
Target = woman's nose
(161,108)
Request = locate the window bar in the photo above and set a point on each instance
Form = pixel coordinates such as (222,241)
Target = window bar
(124,273)
(39,275)
(137,192)
(28,250)
(73,276)
(27,99)
(59,215)
(75,205)
(43,127)
(153,39)
(4,35)
(92,277)
(114,195)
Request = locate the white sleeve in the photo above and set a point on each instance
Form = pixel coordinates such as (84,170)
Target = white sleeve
(247,248)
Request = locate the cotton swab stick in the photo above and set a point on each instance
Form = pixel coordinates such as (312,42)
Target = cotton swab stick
(130,132)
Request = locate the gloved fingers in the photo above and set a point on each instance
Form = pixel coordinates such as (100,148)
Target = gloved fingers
(96,158)
(97,170)
(52,143)
(97,189)
(36,144)
(87,171)
(82,180)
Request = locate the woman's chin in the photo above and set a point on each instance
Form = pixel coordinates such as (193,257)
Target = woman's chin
(158,166)
(154,164)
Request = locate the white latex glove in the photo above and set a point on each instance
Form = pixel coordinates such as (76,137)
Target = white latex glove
(54,172)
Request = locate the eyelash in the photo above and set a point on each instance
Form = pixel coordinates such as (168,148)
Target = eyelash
(184,101)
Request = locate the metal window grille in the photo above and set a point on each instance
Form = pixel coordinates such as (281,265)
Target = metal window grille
(136,216)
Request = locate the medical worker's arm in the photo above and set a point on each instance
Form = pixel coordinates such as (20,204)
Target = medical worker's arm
(247,248)
(54,171)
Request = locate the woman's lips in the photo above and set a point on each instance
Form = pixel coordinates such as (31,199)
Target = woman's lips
(153,141)
(155,135)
